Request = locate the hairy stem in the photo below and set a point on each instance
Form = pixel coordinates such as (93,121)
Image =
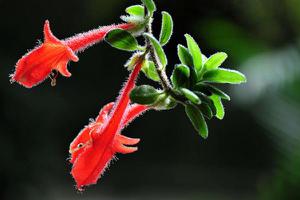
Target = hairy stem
(164,81)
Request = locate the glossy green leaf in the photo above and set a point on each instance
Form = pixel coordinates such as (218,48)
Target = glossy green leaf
(195,52)
(197,119)
(219,106)
(122,40)
(166,28)
(224,76)
(149,70)
(213,90)
(184,55)
(158,49)
(190,95)
(215,61)
(144,94)
(136,10)
(180,76)
(150,5)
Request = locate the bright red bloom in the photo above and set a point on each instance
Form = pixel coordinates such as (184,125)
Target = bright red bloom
(55,54)
(96,145)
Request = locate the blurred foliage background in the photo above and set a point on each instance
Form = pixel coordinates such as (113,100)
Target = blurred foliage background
(254,153)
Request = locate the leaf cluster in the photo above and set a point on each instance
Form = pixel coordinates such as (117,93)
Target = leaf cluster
(193,81)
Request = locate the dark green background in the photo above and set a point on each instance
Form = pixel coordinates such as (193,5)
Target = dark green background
(252,154)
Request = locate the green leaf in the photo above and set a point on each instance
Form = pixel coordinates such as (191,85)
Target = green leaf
(149,70)
(215,61)
(122,40)
(166,28)
(180,76)
(213,90)
(150,5)
(219,106)
(190,95)
(206,110)
(136,10)
(144,94)
(195,52)
(197,119)
(222,75)
(184,55)
(158,49)
(206,99)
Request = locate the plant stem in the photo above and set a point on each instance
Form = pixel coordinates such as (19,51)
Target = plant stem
(164,81)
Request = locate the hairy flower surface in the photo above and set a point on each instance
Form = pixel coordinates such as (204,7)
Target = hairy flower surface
(55,54)
(96,145)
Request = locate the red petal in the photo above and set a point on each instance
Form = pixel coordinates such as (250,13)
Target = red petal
(120,148)
(48,35)
(126,140)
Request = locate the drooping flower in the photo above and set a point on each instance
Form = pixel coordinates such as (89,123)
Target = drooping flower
(96,145)
(84,138)
(55,54)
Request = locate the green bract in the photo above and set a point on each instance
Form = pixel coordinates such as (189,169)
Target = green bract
(122,40)
(145,95)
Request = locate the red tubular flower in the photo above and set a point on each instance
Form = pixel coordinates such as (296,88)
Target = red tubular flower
(96,145)
(55,54)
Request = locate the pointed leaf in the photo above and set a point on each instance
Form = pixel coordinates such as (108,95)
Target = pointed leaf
(197,120)
(215,61)
(166,28)
(180,76)
(122,40)
(144,94)
(222,75)
(158,49)
(219,106)
(195,52)
(190,95)
(136,10)
(184,55)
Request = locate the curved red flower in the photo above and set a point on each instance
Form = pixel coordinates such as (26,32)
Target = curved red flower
(96,145)
(55,54)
